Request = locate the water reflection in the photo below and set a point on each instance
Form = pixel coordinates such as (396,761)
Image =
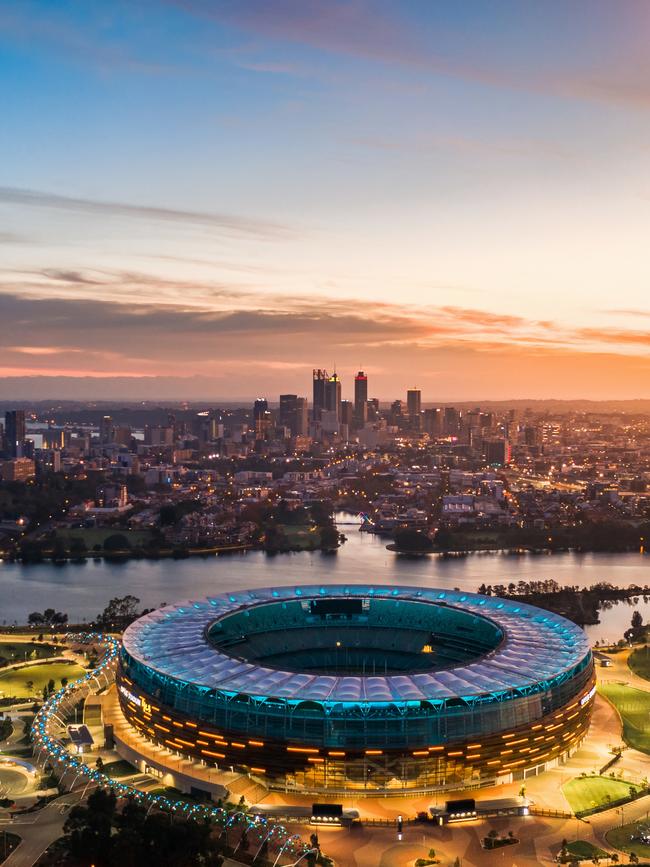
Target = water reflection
(83,590)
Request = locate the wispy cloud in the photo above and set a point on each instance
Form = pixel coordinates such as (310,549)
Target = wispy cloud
(378,32)
(227,223)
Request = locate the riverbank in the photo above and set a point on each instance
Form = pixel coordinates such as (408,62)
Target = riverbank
(82,590)
(132,554)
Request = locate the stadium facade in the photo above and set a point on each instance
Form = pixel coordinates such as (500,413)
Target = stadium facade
(360,688)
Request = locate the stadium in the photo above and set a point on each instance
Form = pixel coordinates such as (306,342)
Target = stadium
(374,689)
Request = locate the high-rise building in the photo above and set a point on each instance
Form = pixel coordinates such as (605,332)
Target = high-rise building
(294,414)
(320,377)
(106,430)
(497,452)
(347,412)
(433,419)
(288,409)
(414,406)
(360,399)
(302,417)
(333,395)
(452,421)
(15,432)
(262,418)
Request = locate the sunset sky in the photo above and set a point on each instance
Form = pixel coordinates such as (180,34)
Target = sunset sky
(222,194)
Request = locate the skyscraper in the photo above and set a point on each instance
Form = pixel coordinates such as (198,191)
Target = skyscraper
(414,404)
(288,405)
(15,432)
(294,414)
(333,395)
(302,417)
(318,400)
(360,399)
(106,430)
(262,418)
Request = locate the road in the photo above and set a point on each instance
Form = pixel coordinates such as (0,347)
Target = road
(39,830)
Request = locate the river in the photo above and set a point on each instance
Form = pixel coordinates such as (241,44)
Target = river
(82,590)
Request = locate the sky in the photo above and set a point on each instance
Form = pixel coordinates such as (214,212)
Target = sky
(208,198)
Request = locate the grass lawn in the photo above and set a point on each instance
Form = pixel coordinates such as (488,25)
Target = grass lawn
(22,650)
(587,793)
(301,535)
(120,768)
(585,850)
(626,838)
(634,707)
(92,536)
(639,662)
(13,683)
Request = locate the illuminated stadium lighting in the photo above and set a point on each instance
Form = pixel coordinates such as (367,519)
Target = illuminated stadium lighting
(332,680)
(48,749)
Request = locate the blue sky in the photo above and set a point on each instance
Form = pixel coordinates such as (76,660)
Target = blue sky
(242,190)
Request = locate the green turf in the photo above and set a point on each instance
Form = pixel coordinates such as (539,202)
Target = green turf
(634,707)
(583,849)
(621,838)
(92,536)
(589,793)
(20,651)
(14,683)
(120,768)
(639,662)
(301,536)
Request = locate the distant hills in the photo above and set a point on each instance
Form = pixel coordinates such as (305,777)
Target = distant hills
(17,390)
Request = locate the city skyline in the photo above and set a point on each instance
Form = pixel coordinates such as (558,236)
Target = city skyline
(206,200)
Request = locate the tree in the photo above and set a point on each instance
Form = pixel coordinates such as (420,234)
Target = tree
(35,618)
(88,829)
(29,686)
(120,611)
(78,547)
(444,539)
(413,541)
(329,537)
(116,542)
(637,620)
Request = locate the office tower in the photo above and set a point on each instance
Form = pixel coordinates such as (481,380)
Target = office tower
(288,410)
(106,430)
(122,435)
(302,417)
(396,412)
(433,419)
(156,435)
(452,422)
(333,395)
(360,399)
(414,405)
(15,432)
(318,399)
(262,418)
(373,409)
(294,414)
(497,452)
(347,412)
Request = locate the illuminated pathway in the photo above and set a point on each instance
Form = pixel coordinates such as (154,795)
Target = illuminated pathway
(48,731)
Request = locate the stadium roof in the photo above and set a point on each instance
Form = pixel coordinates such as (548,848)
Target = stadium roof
(539,647)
